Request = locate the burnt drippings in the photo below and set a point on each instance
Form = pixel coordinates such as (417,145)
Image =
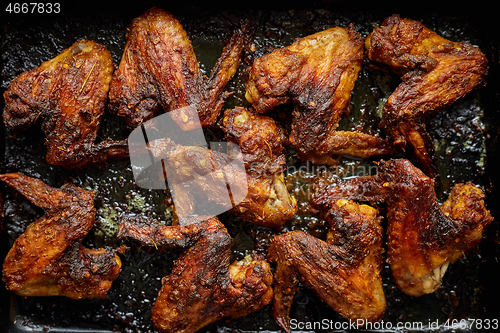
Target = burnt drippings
(465,137)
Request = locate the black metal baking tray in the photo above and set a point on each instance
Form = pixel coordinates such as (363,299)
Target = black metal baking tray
(466,138)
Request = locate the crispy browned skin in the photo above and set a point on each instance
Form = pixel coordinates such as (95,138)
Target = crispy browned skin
(317,73)
(203,287)
(159,70)
(69,94)
(423,237)
(48,259)
(344,271)
(210,172)
(268,202)
(436,72)
(199,173)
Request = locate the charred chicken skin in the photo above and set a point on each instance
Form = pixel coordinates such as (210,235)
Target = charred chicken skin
(344,271)
(423,237)
(48,258)
(159,70)
(203,286)
(435,73)
(317,73)
(267,201)
(211,177)
(69,94)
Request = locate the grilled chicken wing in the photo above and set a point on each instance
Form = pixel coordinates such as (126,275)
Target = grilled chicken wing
(159,70)
(256,186)
(423,237)
(48,259)
(344,271)
(268,202)
(203,177)
(435,72)
(203,287)
(69,94)
(317,73)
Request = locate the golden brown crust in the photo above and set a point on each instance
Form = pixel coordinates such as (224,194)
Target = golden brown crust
(317,73)
(254,180)
(159,70)
(199,175)
(48,259)
(344,271)
(423,238)
(203,287)
(69,94)
(268,202)
(436,72)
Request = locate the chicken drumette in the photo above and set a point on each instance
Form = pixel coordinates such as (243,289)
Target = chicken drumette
(423,237)
(203,286)
(69,94)
(48,258)
(159,70)
(344,271)
(317,73)
(435,73)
